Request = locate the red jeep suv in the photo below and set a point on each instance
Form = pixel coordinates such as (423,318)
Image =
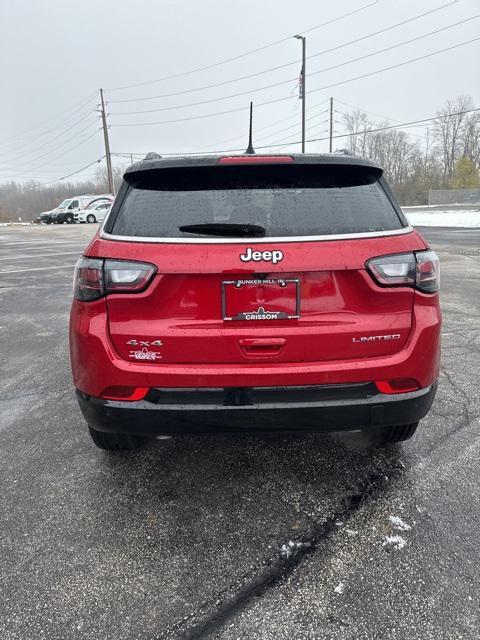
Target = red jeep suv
(282,292)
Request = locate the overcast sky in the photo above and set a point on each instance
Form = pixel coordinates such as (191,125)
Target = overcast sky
(56,54)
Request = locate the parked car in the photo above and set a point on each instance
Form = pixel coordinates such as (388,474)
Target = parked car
(45,217)
(95,212)
(65,212)
(255,293)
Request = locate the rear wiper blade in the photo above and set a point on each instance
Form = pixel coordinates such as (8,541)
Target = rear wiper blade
(229,229)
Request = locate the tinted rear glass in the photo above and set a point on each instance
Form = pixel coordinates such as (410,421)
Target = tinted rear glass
(301,200)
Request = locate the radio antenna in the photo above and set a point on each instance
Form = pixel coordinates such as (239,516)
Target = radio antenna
(250,150)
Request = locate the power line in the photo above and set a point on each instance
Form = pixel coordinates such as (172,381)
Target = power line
(294,114)
(23,145)
(74,173)
(44,155)
(282,66)
(398,126)
(74,112)
(292,127)
(283,139)
(60,156)
(283,82)
(314,73)
(396,66)
(247,53)
(52,150)
(372,113)
(282,99)
(346,135)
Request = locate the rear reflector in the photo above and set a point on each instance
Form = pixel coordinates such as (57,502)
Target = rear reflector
(400,385)
(256,160)
(127,394)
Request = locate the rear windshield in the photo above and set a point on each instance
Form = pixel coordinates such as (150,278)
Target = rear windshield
(301,200)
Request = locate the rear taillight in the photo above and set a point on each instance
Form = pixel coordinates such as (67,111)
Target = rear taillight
(428,271)
(419,269)
(88,279)
(126,277)
(96,277)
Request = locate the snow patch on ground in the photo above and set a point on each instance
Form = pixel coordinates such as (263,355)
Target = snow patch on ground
(396,541)
(291,548)
(399,524)
(444,218)
(15,224)
(340,588)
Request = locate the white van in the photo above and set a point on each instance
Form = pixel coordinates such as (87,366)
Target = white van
(65,212)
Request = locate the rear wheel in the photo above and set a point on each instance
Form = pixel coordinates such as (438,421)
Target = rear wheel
(116,441)
(91,218)
(398,433)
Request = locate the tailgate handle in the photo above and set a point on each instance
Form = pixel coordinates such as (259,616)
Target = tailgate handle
(262,343)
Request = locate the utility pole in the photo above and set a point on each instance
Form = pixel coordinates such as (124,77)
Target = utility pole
(302,84)
(331,126)
(108,156)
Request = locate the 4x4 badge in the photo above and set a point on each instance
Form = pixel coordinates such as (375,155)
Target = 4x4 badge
(145,343)
(267,256)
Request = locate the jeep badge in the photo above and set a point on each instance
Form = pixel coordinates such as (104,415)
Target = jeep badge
(257,256)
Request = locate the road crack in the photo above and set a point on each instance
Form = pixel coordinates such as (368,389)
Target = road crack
(213,614)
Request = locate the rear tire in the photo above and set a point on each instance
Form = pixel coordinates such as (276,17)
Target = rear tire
(91,218)
(398,433)
(116,441)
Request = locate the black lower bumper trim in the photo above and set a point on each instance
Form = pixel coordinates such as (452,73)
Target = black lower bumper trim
(291,413)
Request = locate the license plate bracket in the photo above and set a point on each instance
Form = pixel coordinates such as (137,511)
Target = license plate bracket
(261,299)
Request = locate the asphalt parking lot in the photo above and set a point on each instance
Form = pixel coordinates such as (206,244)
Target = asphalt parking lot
(272,537)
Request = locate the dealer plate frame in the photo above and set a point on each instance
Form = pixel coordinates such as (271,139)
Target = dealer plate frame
(261,281)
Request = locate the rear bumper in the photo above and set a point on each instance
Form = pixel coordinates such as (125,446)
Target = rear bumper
(314,408)
(96,365)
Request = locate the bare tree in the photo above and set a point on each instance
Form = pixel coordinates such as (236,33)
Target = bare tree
(101,177)
(357,125)
(471,138)
(449,132)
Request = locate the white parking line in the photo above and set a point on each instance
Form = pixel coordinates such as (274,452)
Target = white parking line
(47,242)
(43,255)
(59,266)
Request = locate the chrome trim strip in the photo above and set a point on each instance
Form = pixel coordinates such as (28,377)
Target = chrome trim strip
(324,238)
